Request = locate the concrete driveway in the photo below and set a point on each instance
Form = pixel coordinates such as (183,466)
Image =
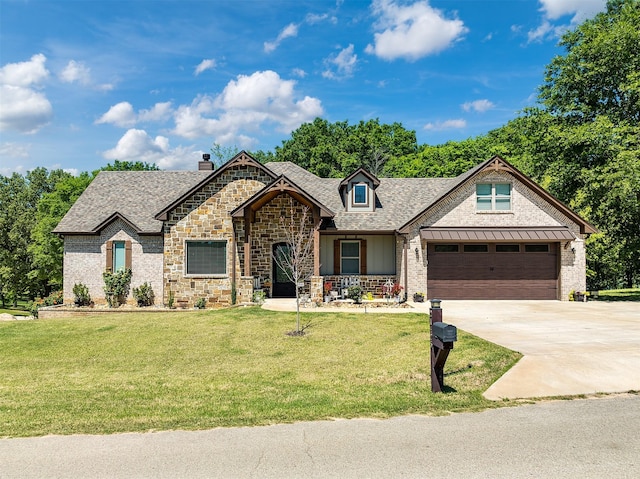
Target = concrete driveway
(569,348)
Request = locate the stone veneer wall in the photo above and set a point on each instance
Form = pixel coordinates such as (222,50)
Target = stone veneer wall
(85,259)
(206,216)
(267,230)
(527,209)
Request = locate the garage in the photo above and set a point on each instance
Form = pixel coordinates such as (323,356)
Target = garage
(468,263)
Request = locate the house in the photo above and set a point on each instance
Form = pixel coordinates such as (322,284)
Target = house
(490,233)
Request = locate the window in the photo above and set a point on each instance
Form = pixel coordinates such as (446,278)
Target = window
(206,257)
(507,248)
(536,248)
(360,194)
(119,253)
(445,248)
(493,197)
(476,248)
(350,257)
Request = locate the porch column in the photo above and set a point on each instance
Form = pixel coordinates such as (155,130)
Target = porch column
(316,241)
(247,244)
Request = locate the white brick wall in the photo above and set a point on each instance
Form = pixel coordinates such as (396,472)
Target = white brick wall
(85,260)
(527,209)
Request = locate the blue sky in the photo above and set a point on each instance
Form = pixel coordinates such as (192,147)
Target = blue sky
(85,82)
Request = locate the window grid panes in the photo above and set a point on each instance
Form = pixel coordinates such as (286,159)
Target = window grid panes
(206,257)
(476,248)
(507,248)
(445,248)
(350,257)
(493,197)
(536,248)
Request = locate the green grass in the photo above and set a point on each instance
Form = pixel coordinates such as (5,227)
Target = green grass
(197,370)
(632,294)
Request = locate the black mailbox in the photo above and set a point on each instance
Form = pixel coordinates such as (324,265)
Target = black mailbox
(446,333)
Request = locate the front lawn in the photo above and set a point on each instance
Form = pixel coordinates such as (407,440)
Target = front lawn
(235,367)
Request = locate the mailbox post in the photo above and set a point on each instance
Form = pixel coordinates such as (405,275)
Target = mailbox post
(442,338)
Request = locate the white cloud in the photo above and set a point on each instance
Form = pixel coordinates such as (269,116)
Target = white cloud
(412,31)
(123,115)
(137,145)
(204,65)
(342,65)
(25,74)
(579,10)
(290,30)
(244,106)
(14,150)
(446,125)
(299,72)
(478,105)
(76,72)
(159,112)
(23,107)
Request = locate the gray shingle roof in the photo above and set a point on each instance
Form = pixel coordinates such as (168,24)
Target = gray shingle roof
(398,199)
(136,195)
(139,195)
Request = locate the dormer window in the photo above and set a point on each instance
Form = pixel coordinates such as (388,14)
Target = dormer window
(360,194)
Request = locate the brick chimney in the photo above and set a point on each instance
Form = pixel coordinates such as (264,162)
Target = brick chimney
(205,164)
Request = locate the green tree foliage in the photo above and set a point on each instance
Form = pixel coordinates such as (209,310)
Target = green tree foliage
(338,149)
(128,166)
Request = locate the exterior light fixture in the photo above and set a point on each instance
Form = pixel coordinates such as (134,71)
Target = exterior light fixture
(435,303)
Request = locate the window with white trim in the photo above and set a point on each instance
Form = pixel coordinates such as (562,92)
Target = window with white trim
(350,257)
(206,257)
(493,197)
(360,194)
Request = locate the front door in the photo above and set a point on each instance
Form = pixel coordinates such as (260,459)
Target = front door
(283,287)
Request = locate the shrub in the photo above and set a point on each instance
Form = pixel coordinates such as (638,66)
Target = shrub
(116,286)
(355,293)
(171,300)
(259,297)
(56,297)
(144,294)
(81,294)
(200,304)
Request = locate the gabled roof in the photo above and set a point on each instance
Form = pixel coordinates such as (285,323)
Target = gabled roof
(133,196)
(360,171)
(241,159)
(498,164)
(280,185)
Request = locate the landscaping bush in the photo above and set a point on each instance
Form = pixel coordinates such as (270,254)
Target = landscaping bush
(144,294)
(116,286)
(201,303)
(81,295)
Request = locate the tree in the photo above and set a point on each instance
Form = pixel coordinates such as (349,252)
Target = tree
(128,166)
(296,260)
(600,72)
(338,149)
(222,154)
(46,248)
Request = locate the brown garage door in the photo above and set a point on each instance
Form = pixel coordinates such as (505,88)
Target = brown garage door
(492,271)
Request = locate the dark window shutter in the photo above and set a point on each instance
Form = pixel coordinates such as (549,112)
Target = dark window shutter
(127,255)
(336,256)
(363,256)
(109,266)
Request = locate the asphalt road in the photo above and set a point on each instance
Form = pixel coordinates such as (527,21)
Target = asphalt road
(586,438)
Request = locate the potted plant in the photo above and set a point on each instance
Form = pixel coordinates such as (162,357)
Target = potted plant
(396,289)
(355,292)
(418,297)
(328,286)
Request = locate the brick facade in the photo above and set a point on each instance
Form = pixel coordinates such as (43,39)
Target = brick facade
(85,259)
(527,209)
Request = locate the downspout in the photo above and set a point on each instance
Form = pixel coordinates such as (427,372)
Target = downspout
(406,263)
